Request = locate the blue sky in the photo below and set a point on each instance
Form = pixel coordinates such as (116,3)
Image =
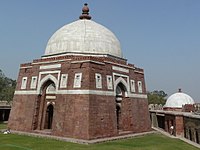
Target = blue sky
(161,36)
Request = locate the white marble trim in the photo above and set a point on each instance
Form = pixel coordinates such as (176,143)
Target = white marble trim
(50,66)
(120,69)
(85,61)
(137,95)
(93,92)
(30,92)
(50,97)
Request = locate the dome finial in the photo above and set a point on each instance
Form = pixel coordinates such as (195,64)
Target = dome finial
(85,12)
(179,90)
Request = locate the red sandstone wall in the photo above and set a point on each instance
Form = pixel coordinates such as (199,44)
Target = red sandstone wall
(102,117)
(21,115)
(179,126)
(103,121)
(140,115)
(71,116)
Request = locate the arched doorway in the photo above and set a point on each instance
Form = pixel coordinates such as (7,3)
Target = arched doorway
(44,107)
(120,94)
(49,117)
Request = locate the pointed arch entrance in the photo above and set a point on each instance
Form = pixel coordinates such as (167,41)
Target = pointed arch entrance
(44,106)
(120,95)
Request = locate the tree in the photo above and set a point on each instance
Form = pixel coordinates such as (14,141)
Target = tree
(7,87)
(157,97)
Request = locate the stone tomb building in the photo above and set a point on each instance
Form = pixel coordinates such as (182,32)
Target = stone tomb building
(82,87)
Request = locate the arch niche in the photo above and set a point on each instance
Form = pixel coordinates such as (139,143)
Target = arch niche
(49,117)
(44,107)
(121,93)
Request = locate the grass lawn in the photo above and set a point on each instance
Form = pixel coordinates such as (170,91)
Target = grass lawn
(147,142)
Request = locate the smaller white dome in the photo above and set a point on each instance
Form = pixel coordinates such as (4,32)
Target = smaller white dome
(177,100)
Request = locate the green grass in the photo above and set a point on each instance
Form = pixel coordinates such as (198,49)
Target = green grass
(147,142)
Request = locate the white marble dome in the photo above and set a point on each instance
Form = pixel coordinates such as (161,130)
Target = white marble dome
(83,36)
(177,100)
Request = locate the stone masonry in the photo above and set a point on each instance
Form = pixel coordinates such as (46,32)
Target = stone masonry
(86,112)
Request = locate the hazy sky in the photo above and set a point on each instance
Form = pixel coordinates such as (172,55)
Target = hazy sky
(161,36)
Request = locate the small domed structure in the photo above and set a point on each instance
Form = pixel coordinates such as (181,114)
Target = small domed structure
(177,100)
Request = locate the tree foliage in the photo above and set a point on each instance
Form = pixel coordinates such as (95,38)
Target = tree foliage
(157,97)
(7,87)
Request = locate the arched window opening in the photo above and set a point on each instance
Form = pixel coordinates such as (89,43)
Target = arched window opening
(51,89)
